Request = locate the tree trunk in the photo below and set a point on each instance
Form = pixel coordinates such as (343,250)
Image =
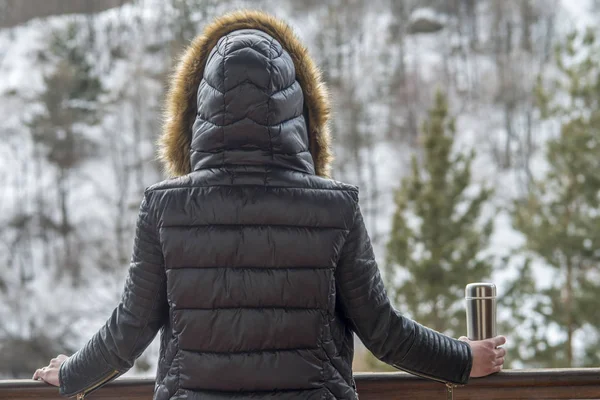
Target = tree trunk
(526,22)
(471,10)
(65,225)
(121,172)
(508,116)
(569,312)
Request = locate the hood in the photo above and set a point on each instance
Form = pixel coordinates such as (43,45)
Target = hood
(246,92)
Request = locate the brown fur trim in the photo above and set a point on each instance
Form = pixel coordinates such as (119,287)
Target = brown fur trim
(174,143)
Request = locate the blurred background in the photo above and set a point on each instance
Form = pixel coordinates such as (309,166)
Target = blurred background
(471,126)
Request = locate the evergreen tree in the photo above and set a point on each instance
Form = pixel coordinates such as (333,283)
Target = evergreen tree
(560,218)
(438,237)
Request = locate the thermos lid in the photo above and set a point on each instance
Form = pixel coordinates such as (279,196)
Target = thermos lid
(480,290)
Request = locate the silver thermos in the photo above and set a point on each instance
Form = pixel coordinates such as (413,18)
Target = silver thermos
(481,310)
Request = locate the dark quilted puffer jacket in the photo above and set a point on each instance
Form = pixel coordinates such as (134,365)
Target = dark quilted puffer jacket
(254,266)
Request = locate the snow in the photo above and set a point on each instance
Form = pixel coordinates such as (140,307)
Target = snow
(427,14)
(429,58)
(578,14)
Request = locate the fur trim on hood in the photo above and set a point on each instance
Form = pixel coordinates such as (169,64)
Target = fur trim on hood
(181,107)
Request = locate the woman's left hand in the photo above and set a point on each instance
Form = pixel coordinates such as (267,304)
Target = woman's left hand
(49,374)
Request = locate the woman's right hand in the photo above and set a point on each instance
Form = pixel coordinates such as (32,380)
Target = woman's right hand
(487,357)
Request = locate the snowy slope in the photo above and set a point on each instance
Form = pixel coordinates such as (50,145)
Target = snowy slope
(136,76)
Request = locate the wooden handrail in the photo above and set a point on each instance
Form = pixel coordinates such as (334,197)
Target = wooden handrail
(547,384)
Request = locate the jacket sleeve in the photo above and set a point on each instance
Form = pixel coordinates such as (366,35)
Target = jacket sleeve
(392,338)
(134,322)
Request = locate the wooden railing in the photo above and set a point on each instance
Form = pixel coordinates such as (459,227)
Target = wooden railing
(547,384)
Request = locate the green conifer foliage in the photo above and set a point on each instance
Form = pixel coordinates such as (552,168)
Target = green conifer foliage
(438,237)
(560,218)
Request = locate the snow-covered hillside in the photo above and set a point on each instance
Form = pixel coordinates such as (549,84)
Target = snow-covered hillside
(488,70)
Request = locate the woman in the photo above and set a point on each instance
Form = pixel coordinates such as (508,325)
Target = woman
(254,265)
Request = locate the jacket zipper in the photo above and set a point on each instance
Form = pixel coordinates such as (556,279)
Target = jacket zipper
(81,395)
(449,386)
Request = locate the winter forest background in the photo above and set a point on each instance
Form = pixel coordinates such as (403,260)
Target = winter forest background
(471,126)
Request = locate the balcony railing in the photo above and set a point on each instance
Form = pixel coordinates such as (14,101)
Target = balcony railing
(547,384)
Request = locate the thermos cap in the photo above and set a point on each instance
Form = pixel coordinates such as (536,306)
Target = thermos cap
(480,290)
